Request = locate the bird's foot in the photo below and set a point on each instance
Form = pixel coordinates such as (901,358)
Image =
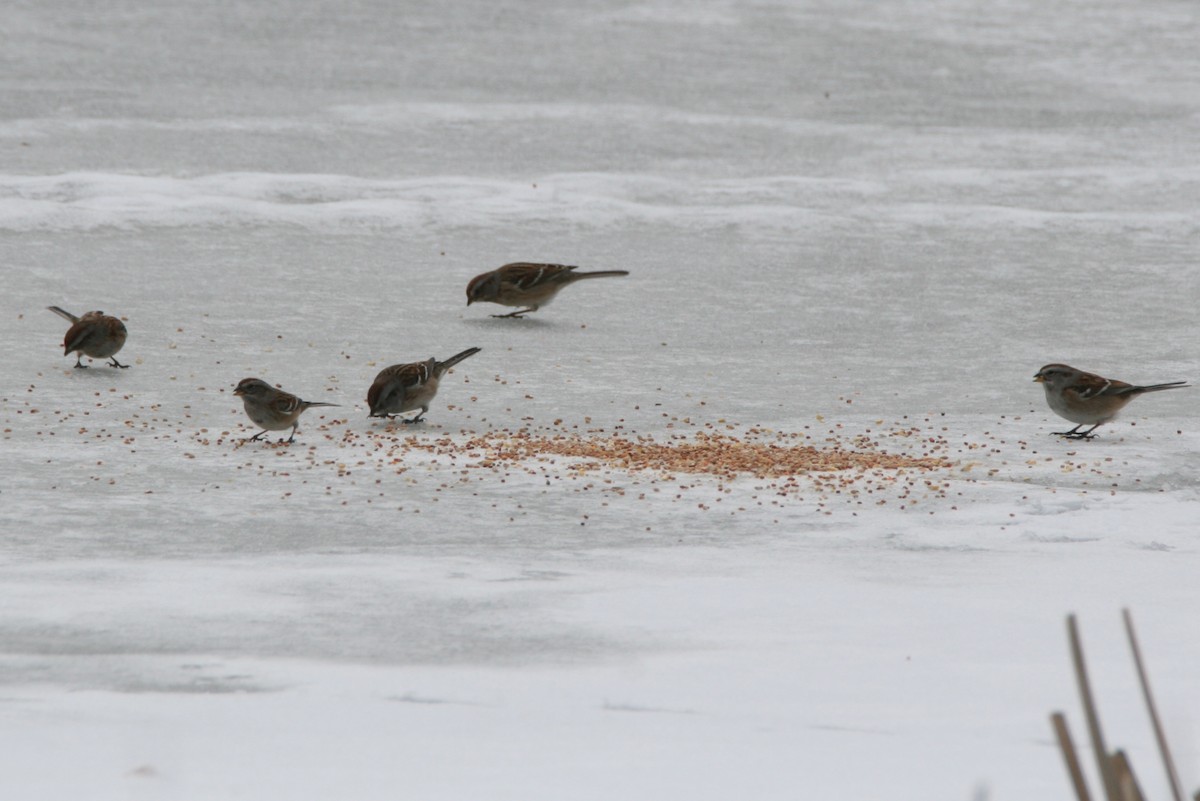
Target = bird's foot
(399,418)
(1075,433)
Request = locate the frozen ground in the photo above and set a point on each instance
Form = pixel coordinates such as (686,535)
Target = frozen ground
(853,222)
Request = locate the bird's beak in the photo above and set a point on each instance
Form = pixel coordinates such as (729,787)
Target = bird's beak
(469,301)
(238,392)
(1039,379)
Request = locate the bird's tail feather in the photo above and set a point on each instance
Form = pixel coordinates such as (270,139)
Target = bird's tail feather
(456,358)
(1160,387)
(66,315)
(599,273)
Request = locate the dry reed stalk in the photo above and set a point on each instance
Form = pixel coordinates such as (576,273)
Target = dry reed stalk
(1156,723)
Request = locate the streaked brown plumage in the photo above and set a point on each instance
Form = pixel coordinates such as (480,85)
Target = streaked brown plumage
(1089,399)
(95,334)
(409,386)
(272,408)
(527,284)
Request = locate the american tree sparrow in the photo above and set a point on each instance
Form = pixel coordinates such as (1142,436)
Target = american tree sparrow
(95,334)
(1088,399)
(409,386)
(272,408)
(526,284)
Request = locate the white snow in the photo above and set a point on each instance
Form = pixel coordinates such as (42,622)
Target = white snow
(845,222)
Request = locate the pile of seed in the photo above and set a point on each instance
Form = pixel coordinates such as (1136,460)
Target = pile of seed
(709,453)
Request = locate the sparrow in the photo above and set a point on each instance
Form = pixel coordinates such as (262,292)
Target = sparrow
(272,408)
(1086,398)
(409,386)
(525,284)
(95,334)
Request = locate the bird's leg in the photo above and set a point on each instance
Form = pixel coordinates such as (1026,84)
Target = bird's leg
(288,441)
(1075,433)
(79,365)
(116,363)
(256,436)
(416,419)
(517,314)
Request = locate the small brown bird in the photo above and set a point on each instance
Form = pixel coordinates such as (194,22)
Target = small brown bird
(95,334)
(1088,399)
(526,284)
(409,386)
(272,408)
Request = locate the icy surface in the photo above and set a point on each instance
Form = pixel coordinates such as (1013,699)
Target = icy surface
(856,222)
